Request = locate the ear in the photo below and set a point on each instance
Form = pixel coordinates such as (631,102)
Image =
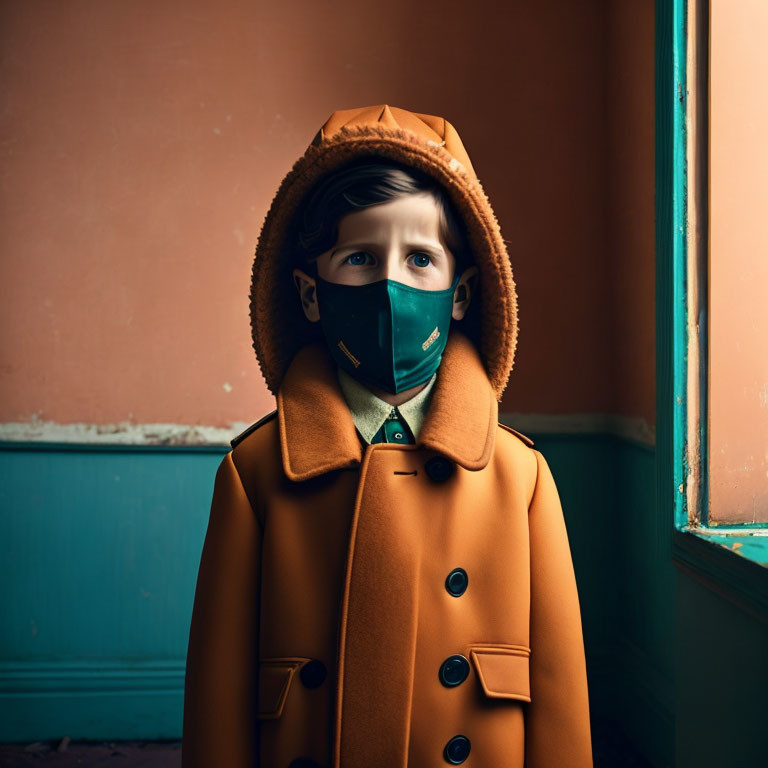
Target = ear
(464,292)
(306,287)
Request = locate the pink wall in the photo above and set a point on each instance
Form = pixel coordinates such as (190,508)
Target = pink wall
(630,179)
(143,141)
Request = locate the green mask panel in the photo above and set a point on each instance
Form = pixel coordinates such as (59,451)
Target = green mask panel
(386,333)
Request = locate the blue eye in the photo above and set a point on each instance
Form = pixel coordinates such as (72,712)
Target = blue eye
(422,260)
(357,259)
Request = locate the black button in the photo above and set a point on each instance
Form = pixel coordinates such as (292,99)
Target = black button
(439,468)
(457,581)
(457,750)
(312,673)
(304,762)
(454,670)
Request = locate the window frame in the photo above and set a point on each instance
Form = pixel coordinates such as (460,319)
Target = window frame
(730,560)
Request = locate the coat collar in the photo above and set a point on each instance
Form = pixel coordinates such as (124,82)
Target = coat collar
(317,434)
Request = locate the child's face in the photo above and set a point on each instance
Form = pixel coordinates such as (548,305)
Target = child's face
(396,240)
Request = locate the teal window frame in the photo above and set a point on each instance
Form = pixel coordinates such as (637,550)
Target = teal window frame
(730,560)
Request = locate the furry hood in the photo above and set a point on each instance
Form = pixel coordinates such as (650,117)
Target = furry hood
(428,143)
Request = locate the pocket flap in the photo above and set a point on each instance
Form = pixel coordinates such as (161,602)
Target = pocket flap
(275,678)
(503,671)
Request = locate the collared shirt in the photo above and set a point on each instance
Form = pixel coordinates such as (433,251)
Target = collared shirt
(377,420)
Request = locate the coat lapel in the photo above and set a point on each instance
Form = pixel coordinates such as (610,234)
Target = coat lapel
(463,415)
(317,433)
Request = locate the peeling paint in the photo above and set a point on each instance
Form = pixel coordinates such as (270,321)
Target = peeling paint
(729,530)
(121,433)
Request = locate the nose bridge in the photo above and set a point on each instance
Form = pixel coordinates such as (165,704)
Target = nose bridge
(391,258)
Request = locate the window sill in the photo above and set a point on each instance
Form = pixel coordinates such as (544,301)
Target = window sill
(734,565)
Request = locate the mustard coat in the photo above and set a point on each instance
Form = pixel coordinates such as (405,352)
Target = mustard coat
(387,605)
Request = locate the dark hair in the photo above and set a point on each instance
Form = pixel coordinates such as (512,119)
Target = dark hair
(362,184)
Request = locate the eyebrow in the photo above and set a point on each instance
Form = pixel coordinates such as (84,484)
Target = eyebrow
(424,246)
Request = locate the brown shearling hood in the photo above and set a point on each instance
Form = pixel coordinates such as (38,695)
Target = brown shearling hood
(425,142)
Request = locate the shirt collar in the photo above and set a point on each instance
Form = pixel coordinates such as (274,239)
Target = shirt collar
(369,412)
(318,434)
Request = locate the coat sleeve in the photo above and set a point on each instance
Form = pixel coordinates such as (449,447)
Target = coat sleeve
(557,718)
(219,727)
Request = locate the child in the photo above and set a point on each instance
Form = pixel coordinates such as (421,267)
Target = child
(386,579)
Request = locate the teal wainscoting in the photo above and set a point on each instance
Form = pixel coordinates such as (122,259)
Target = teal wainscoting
(98,558)
(584,468)
(99,551)
(722,662)
(642,639)
(627,583)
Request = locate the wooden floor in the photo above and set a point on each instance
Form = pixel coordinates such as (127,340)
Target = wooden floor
(611,750)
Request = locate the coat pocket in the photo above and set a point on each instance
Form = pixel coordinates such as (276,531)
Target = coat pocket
(503,670)
(276,675)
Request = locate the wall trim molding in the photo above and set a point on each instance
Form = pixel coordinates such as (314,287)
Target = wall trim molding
(124,433)
(634,429)
(87,677)
(120,433)
(111,699)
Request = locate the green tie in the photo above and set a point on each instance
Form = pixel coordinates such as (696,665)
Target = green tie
(394,430)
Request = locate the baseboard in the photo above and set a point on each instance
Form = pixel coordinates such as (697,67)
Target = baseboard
(91,700)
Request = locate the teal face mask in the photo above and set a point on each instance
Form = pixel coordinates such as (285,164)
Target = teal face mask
(386,333)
